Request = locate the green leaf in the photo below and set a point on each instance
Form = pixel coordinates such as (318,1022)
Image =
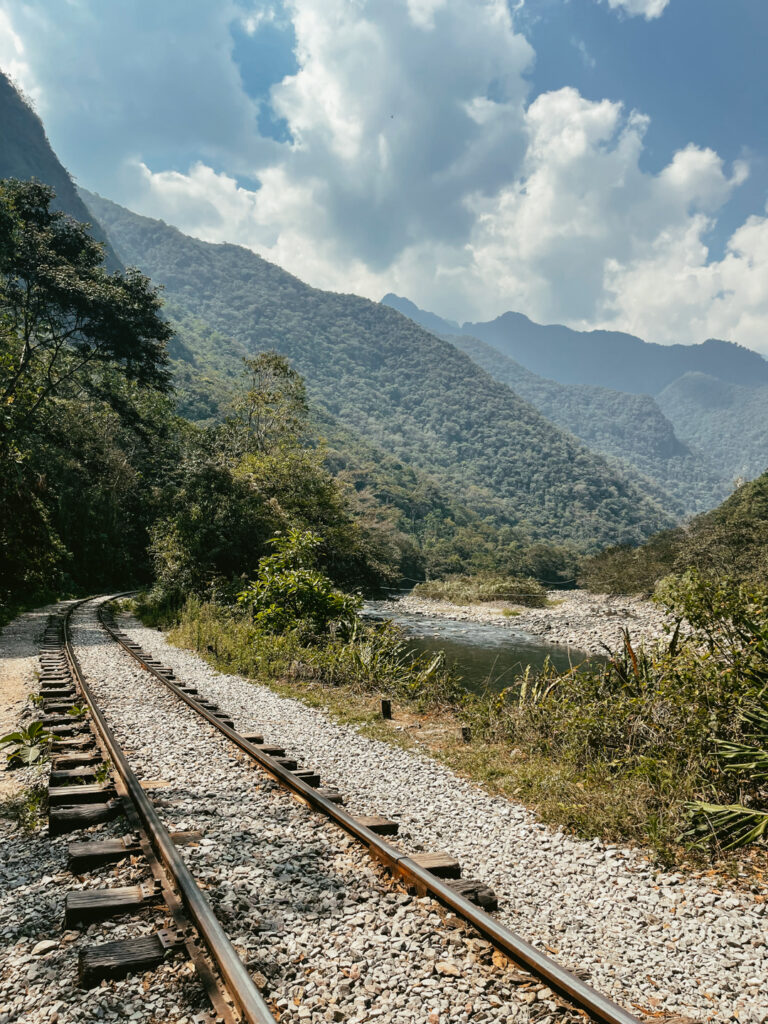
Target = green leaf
(731,826)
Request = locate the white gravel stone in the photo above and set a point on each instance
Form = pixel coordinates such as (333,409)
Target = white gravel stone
(648,938)
(310,915)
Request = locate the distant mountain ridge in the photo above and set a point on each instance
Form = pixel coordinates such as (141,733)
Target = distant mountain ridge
(727,421)
(631,428)
(695,436)
(391,382)
(610,359)
(25,152)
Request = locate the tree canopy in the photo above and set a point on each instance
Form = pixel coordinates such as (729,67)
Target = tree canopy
(84,412)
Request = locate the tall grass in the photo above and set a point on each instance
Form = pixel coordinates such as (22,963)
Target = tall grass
(483,588)
(374,658)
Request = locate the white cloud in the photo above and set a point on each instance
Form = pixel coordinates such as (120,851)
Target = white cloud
(12,59)
(416,163)
(648,8)
(673,293)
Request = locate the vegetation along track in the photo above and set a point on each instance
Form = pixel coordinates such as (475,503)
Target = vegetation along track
(298,894)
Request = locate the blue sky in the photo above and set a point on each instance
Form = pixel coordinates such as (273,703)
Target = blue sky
(592,162)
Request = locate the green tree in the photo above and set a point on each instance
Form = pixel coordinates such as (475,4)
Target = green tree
(62,314)
(271,411)
(84,413)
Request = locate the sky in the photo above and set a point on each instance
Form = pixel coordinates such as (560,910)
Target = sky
(598,163)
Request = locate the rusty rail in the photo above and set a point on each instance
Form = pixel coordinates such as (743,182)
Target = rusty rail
(238,981)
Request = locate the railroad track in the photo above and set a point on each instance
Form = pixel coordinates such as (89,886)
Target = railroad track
(80,796)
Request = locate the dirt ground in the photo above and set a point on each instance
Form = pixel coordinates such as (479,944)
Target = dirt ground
(19,649)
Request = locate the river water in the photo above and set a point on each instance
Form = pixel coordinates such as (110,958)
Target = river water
(485,655)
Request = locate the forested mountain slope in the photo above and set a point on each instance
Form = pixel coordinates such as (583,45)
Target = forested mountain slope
(610,359)
(628,427)
(730,541)
(399,387)
(25,152)
(728,422)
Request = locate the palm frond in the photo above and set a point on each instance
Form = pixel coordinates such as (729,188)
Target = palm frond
(739,757)
(757,725)
(730,826)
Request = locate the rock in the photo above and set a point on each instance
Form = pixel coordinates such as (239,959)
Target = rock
(45,946)
(448,967)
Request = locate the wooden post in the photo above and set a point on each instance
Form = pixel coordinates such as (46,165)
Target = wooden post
(386,708)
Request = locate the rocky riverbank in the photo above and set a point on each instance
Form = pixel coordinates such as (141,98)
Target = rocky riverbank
(574,617)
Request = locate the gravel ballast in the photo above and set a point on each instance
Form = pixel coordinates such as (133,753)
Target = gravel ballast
(38,954)
(325,934)
(653,940)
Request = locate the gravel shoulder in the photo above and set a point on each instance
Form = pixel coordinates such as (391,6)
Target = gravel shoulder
(19,649)
(656,941)
(575,618)
(38,955)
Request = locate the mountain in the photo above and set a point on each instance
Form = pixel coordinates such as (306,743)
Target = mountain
(730,541)
(727,421)
(394,384)
(609,359)
(25,152)
(630,428)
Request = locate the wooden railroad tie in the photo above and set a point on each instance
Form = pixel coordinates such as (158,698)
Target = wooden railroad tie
(57,721)
(114,960)
(289,763)
(70,817)
(96,853)
(57,692)
(378,824)
(448,868)
(333,795)
(476,892)
(58,796)
(271,751)
(69,776)
(72,728)
(70,744)
(89,905)
(78,759)
(253,737)
(440,864)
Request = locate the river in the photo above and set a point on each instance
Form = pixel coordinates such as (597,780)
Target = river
(485,655)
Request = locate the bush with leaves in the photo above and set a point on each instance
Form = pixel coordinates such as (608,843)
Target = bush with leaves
(289,591)
(731,623)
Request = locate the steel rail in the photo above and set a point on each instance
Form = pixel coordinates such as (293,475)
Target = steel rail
(238,981)
(598,1006)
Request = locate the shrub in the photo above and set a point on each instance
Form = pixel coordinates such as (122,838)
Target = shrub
(288,591)
(29,744)
(484,587)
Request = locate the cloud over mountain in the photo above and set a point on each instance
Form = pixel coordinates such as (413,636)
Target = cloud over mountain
(411,158)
